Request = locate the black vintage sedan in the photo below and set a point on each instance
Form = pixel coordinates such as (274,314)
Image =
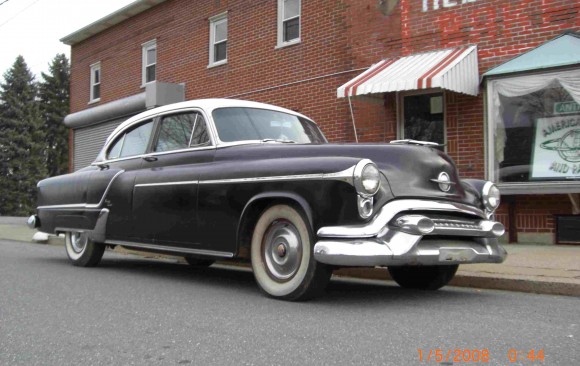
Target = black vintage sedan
(220,179)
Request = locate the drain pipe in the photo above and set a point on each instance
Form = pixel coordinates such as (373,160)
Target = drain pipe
(353,122)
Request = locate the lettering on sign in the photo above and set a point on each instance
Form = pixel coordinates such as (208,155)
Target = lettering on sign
(437,4)
(566,107)
(556,150)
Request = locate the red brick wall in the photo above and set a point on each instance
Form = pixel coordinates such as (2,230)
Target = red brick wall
(181,29)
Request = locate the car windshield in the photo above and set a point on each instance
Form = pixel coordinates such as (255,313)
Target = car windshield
(243,124)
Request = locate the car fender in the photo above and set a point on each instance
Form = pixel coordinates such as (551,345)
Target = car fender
(299,200)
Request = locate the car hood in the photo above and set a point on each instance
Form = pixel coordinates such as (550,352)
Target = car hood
(409,169)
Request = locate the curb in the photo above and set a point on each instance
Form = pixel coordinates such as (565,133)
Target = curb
(481,282)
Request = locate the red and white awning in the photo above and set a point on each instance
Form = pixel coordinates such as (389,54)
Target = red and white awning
(453,69)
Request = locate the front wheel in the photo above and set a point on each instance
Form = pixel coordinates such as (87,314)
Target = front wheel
(423,277)
(81,250)
(282,256)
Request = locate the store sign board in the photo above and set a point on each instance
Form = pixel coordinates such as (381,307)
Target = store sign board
(566,107)
(556,150)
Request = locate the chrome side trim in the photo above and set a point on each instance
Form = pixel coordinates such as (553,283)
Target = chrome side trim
(141,156)
(387,212)
(211,253)
(84,205)
(344,176)
(166,184)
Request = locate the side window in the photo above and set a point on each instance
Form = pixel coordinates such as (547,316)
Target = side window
(132,143)
(199,137)
(115,151)
(135,141)
(175,132)
(182,131)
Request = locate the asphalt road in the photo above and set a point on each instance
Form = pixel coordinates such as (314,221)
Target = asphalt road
(136,311)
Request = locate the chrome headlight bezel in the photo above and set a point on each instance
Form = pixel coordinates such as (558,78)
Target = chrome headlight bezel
(490,196)
(366,170)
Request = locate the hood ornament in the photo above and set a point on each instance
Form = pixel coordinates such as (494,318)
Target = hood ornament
(443,181)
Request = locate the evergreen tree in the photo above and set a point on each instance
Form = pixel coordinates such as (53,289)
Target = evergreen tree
(53,93)
(22,157)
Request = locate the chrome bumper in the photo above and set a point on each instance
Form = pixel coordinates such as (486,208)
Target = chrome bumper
(429,238)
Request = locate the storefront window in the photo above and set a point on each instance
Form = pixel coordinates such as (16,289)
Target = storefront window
(535,125)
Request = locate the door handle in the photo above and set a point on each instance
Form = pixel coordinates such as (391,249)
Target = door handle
(150,158)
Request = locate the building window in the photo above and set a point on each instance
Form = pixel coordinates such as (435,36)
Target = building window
(534,130)
(423,118)
(288,22)
(149,62)
(95,93)
(218,40)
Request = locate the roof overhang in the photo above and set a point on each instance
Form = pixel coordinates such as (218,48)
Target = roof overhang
(453,69)
(110,20)
(561,51)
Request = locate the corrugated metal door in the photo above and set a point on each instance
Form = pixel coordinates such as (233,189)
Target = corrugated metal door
(88,142)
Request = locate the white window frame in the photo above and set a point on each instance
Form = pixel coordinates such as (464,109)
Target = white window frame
(213,23)
(281,21)
(145,48)
(95,67)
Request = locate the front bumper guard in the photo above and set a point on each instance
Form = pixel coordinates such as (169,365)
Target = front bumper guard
(387,242)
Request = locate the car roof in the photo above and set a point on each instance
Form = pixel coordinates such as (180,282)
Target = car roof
(207,105)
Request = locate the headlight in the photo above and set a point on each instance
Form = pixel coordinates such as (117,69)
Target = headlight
(367,178)
(491,196)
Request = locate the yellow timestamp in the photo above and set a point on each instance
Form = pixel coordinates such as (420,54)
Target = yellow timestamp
(478,355)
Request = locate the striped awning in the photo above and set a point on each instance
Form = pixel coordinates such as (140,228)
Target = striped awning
(452,69)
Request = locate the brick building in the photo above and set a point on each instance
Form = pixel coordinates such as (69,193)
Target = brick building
(488,78)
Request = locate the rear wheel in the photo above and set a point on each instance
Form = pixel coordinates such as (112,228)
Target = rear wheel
(81,250)
(423,277)
(282,256)
(198,262)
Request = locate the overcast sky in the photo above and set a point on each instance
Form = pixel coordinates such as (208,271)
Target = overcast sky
(33,28)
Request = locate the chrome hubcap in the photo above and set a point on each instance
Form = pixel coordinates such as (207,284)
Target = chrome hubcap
(282,250)
(78,242)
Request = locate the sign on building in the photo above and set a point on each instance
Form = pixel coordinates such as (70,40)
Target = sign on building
(556,150)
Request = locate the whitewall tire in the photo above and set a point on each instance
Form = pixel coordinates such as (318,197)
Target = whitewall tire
(81,250)
(282,255)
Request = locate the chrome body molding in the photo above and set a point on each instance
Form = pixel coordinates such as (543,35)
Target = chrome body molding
(448,233)
(84,206)
(377,224)
(343,176)
(162,248)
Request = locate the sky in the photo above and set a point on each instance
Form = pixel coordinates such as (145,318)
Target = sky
(33,28)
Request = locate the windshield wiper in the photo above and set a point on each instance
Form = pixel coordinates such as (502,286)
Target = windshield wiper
(279,140)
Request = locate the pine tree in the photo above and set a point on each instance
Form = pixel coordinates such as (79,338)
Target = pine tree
(22,156)
(53,93)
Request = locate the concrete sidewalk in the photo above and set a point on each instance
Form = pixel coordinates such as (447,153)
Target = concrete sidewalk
(545,269)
